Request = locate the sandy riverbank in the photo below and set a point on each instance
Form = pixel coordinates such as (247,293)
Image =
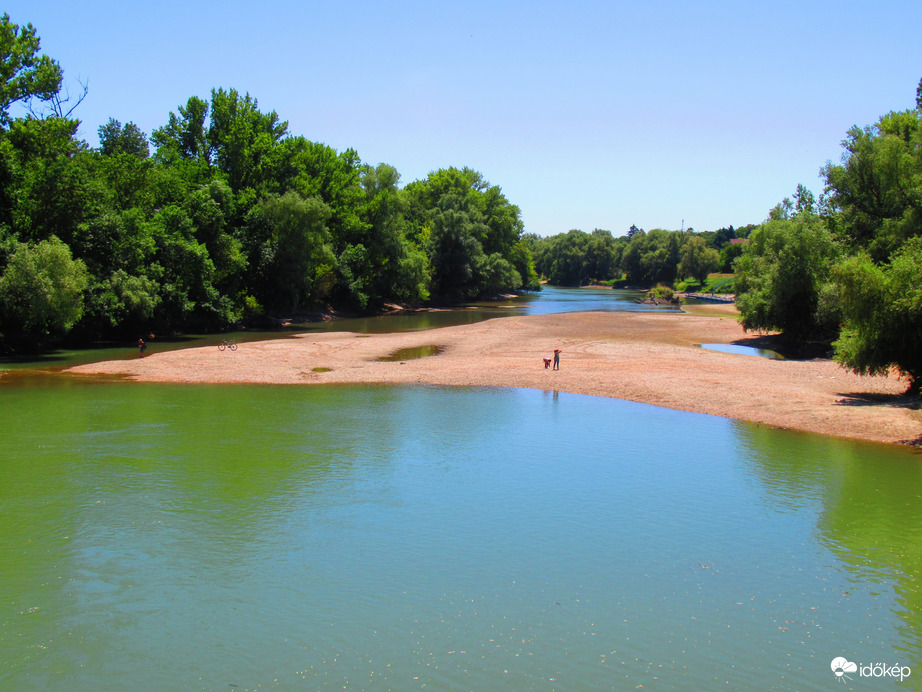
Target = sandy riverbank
(651,358)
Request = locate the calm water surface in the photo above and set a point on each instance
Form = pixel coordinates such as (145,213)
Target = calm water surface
(297,538)
(306,538)
(744,350)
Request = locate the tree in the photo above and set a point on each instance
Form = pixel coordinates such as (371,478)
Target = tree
(185,135)
(114,138)
(25,74)
(397,269)
(877,189)
(41,290)
(296,262)
(461,219)
(729,254)
(698,260)
(577,258)
(652,257)
(781,278)
(882,310)
(495,274)
(242,138)
(49,187)
(313,169)
(875,209)
(455,253)
(721,238)
(804,201)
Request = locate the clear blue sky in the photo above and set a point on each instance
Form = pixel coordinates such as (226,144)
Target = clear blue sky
(587,114)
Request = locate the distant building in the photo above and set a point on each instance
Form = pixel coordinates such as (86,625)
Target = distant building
(738,241)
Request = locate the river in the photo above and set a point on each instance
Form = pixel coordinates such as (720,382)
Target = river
(372,538)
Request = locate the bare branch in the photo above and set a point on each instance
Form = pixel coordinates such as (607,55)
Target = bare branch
(56,105)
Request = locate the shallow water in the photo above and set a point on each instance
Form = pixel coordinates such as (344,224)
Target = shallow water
(744,350)
(254,537)
(412,353)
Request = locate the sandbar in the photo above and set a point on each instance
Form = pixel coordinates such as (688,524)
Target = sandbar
(646,357)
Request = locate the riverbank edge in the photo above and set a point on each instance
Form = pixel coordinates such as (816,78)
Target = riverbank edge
(651,358)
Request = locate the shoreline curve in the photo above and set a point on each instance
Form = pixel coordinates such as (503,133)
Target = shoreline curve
(651,358)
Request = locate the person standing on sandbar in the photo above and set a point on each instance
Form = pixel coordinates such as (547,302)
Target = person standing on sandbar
(556,359)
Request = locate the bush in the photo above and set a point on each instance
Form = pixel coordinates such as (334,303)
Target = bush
(41,290)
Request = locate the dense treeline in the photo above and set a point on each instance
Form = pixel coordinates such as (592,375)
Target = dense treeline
(639,257)
(220,216)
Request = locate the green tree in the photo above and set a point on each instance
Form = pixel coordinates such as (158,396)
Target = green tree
(495,274)
(210,208)
(397,269)
(185,135)
(243,139)
(455,254)
(25,74)
(49,186)
(781,278)
(127,302)
(461,219)
(576,258)
(115,138)
(296,261)
(877,189)
(882,310)
(41,290)
(652,257)
(875,207)
(728,255)
(698,260)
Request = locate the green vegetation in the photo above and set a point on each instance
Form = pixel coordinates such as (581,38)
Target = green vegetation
(844,270)
(229,219)
(850,267)
(782,274)
(716,283)
(639,257)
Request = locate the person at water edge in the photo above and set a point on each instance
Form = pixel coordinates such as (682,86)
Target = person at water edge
(142,347)
(556,359)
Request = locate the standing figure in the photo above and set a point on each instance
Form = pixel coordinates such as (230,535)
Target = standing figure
(142,347)
(556,359)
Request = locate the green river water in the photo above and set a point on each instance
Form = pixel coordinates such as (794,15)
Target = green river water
(168,537)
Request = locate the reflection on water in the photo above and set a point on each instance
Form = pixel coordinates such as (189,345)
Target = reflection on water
(406,538)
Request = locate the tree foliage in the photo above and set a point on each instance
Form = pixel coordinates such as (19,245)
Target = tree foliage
(782,276)
(875,202)
(882,306)
(41,289)
(697,259)
(577,258)
(231,218)
(25,73)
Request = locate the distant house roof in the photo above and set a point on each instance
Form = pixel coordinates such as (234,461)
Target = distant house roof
(738,241)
